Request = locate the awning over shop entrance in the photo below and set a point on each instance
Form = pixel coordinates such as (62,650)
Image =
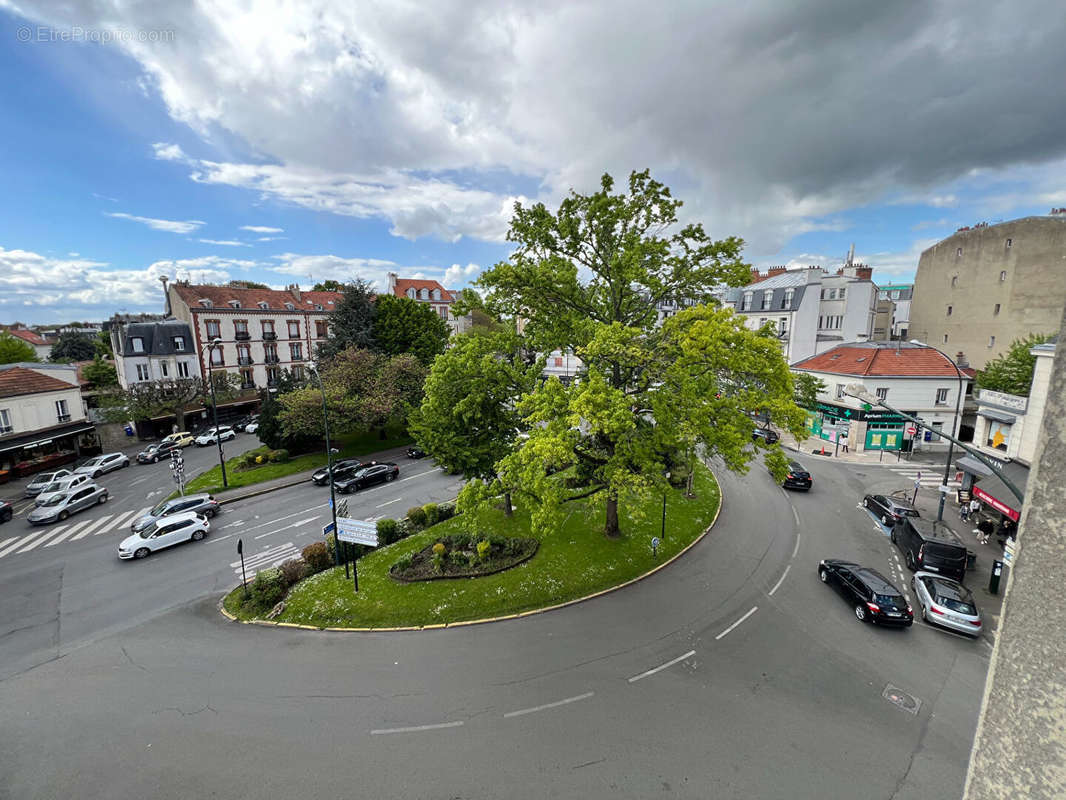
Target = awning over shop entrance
(993,491)
(45,436)
(973,466)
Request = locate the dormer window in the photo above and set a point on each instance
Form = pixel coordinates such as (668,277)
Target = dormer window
(290,307)
(423,294)
(436,294)
(318,306)
(767,298)
(411,293)
(787,302)
(205,302)
(263,305)
(138,344)
(235,303)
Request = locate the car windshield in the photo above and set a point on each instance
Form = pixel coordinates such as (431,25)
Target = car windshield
(147,532)
(908,512)
(92,462)
(151,448)
(54,486)
(159,509)
(54,501)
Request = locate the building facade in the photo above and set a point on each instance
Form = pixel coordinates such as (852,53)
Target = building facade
(431,292)
(983,287)
(153,351)
(900,296)
(41,346)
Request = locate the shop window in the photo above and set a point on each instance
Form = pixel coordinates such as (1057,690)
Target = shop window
(5,421)
(937,429)
(998,437)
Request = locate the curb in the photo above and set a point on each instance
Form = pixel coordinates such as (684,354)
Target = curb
(519,615)
(223,501)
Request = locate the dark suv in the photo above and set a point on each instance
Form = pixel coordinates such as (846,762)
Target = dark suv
(889,509)
(871,594)
(767,435)
(798,477)
(930,546)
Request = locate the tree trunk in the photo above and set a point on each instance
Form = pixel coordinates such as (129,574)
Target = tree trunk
(611,529)
(383,433)
(179,418)
(508,509)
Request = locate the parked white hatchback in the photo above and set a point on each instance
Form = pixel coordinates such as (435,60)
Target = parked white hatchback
(187,526)
(212,435)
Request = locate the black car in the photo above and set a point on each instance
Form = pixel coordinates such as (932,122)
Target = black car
(6,511)
(930,546)
(889,509)
(154,452)
(416,452)
(871,594)
(320,477)
(767,435)
(243,422)
(368,475)
(798,477)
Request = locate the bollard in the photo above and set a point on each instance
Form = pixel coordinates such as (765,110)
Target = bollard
(993,581)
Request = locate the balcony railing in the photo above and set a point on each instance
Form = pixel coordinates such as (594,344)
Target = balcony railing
(247,386)
(296,357)
(242,336)
(269,336)
(272,360)
(63,417)
(245,361)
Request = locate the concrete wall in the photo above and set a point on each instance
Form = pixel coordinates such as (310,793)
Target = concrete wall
(1030,296)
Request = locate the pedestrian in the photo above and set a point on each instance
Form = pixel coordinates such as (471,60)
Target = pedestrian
(964,512)
(844,441)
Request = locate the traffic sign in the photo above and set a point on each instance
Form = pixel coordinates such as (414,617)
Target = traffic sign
(911,430)
(327,529)
(357,531)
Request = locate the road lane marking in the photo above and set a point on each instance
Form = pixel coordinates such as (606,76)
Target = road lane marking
(661,667)
(780,580)
(556,704)
(735,624)
(296,524)
(219,538)
(88,530)
(416,728)
(796,548)
(419,474)
(139,480)
(795,516)
(397,500)
(48,534)
(11,544)
(279,519)
(121,520)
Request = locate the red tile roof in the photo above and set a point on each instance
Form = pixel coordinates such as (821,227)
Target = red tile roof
(250,299)
(28,336)
(908,361)
(19,380)
(403,284)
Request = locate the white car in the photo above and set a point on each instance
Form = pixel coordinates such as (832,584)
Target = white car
(42,479)
(251,427)
(61,486)
(211,435)
(187,526)
(100,464)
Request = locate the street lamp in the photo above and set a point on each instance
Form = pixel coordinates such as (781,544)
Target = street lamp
(956,427)
(313,369)
(216,342)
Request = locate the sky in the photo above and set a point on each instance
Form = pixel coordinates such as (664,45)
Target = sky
(290,142)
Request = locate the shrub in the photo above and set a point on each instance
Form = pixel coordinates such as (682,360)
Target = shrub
(249,458)
(439,548)
(293,571)
(471,560)
(438,561)
(317,556)
(432,513)
(267,589)
(445,511)
(417,515)
(331,548)
(404,563)
(279,456)
(404,528)
(388,531)
(483,548)
(260,459)
(458,558)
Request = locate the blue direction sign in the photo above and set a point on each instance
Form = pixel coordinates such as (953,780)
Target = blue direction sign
(327,529)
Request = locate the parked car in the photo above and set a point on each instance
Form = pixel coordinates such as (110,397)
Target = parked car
(872,596)
(369,475)
(204,504)
(252,427)
(153,452)
(7,511)
(181,439)
(416,452)
(930,546)
(98,465)
(798,477)
(320,477)
(61,486)
(767,435)
(241,425)
(945,602)
(185,527)
(61,506)
(42,479)
(213,435)
(889,509)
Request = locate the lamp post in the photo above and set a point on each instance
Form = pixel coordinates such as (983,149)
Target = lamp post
(216,342)
(951,442)
(313,369)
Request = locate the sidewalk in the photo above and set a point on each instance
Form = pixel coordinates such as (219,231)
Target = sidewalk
(887,458)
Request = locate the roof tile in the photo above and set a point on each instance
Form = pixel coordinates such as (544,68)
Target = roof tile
(19,380)
(889,361)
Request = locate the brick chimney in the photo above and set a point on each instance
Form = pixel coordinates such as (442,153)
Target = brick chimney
(864,273)
(756,276)
(294,290)
(775,271)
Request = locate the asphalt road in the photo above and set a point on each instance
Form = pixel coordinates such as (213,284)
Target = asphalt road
(733,673)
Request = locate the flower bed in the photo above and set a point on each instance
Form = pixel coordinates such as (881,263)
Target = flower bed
(462,556)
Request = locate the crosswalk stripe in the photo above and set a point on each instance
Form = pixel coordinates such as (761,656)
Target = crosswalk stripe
(120,521)
(62,537)
(48,534)
(88,530)
(9,546)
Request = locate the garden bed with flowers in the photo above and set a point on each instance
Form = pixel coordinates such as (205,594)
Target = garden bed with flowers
(463,556)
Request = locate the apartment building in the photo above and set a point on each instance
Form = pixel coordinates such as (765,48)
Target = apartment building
(900,296)
(987,285)
(262,331)
(41,346)
(153,351)
(431,292)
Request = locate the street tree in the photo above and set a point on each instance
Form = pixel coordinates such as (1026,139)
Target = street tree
(271,431)
(1012,372)
(102,343)
(147,399)
(807,389)
(329,285)
(351,323)
(73,347)
(14,350)
(100,374)
(245,284)
(590,278)
(469,420)
(402,325)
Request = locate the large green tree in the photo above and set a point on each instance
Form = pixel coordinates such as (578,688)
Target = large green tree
(147,399)
(14,350)
(271,432)
(589,278)
(402,325)
(102,343)
(328,285)
(73,347)
(351,323)
(469,420)
(807,389)
(1012,372)
(101,374)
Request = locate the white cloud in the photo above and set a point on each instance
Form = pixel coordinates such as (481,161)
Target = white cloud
(169,225)
(316,268)
(226,242)
(456,276)
(73,255)
(169,152)
(261,229)
(271,238)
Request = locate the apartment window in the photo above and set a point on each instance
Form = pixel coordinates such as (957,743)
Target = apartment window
(995,310)
(745,304)
(214,329)
(945,338)
(821,323)
(767,298)
(762,321)
(443,311)
(297,372)
(263,305)
(244,355)
(937,428)
(1010,242)
(840,391)
(296,351)
(941,397)
(163,369)
(183,369)
(832,294)
(958,252)
(954,281)
(179,344)
(235,303)
(840,295)
(271,351)
(240,326)
(5,421)
(289,307)
(142,372)
(991,341)
(217,357)
(882,295)
(1002,275)
(268,326)
(320,328)
(998,437)
(246,379)
(789,295)
(882,393)
(894,295)
(137,343)
(272,376)
(782,326)
(436,294)
(949,311)
(294,329)
(411,293)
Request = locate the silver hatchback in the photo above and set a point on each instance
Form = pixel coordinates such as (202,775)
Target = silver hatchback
(61,506)
(947,603)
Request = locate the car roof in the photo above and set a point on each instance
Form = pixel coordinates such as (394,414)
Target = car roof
(876,581)
(179,517)
(934,531)
(795,465)
(898,501)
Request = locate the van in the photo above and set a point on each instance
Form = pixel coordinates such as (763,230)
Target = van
(930,546)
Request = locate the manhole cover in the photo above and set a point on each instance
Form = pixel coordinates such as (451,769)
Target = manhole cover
(898,697)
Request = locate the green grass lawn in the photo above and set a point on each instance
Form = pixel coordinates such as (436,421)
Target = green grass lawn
(350,446)
(575,561)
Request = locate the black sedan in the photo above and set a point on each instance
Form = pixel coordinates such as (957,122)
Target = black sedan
(154,452)
(416,452)
(369,475)
(243,422)
(320,477)
(767,435)
(871,595)
(798,477)
(888,509)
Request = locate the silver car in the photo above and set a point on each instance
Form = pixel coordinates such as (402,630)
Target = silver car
(98,465)
(42,479)
(203,504)
(947,603)
(62,506)
(61,486)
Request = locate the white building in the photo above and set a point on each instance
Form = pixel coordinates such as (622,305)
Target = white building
(431,292)
(153,351)
(41,346)
(901,295)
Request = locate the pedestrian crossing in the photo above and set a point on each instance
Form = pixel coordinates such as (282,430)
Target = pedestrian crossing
(271,557)
(53,535)
(929,477)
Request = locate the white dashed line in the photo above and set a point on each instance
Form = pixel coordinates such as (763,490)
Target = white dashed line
(416,728)
(796,516)
(556,704)
(735,624)
(389,503)
(661,667)
(780,580)
(296,524)
(796,548)
(418,475)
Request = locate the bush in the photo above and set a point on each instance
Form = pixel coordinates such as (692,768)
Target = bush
(317,556)
(249,458)
(279,456)
(388,531)
(404,563)
(431,511)
(293,571)
(404,528)
(417,515)
(438,561)
(260,459)
(445,511)
(267,589)
(438,549)
(483,548)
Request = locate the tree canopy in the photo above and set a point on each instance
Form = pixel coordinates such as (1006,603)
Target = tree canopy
(147,399)
(73,347)
(351,323)
(807,389)
(100,374)
(244,284)
(329,285)
(1012,372)
(14,350)
(402,325)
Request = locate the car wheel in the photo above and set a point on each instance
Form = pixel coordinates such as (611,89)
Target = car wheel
(141,552)
(823,575)
(892,536)
(154,459)
(390,478)
(6,516)
(211,513)
(884,520)
(97,474)
(102,500)
(860,612)
(125,463)
(63,515)
(910,562)
(865,503)
(197,535)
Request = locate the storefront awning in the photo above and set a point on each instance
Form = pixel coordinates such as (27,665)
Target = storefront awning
(998,416)
(993,491)
(45,436)
(973,466)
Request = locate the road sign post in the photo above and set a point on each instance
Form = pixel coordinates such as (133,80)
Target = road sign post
(244,577)
(356,531)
